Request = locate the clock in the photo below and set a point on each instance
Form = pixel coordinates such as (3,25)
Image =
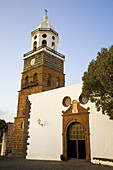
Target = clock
(83,99)
(66,101)
(32,61)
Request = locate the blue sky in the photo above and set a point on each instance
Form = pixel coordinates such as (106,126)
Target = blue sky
(84,27)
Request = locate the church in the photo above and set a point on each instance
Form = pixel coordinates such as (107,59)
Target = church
(55,122)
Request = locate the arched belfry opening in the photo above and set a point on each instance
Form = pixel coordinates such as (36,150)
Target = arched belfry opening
(53,45)
(76,141)
(35,45)
(76,136)
(44,43)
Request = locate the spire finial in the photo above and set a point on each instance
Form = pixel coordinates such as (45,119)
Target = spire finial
(46,12)
(45,17)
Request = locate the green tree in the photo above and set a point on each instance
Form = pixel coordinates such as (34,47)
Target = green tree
(3,125)
(98,81)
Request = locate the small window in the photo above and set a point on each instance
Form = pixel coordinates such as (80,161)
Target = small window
(44,35)
(35,37)
(44,43)
(53,37)
(58,83)
(35,77)
(35,45)
(27,80)
(49,80)
(53,45)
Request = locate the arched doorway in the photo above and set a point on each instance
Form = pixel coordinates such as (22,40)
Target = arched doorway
(76,141)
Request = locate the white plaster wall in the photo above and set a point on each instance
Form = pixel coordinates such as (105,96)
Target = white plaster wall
(33,40)
(3,144)
(101,135)
(49,40)
(46,142)
(38,37)
(101,138)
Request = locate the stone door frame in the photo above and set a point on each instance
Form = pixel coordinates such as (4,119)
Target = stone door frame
(82,117)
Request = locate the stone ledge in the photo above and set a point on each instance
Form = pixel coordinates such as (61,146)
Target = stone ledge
(103,159)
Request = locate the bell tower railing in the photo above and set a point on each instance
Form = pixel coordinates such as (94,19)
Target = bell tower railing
(47,48)
(44,29)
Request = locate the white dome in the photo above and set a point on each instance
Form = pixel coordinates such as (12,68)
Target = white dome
(45,24)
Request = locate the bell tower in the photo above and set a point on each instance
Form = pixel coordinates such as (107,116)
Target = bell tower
(43,70)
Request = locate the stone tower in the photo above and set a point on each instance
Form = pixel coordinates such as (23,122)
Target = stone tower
(43,70)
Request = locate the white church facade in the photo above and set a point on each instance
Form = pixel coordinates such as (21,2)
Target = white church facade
(46,137)
(59,123)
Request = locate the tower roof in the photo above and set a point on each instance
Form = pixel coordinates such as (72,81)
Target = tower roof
(45,24)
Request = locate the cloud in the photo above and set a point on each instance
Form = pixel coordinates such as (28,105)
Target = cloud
(8,116)
(2,112)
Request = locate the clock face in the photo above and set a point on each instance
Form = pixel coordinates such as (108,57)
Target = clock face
(33,61)
(67,101)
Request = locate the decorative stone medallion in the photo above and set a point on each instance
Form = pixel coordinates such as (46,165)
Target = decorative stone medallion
(66,101)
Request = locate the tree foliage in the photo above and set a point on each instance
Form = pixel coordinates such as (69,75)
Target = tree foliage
(3,125)
(98,81)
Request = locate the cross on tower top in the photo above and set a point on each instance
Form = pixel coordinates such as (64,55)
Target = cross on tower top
(45,17)
(46,12)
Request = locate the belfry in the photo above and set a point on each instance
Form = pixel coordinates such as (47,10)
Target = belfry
(43,70)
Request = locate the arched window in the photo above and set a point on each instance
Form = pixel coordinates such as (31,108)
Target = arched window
(49,80)
(27,80)
(53,45)
(44,43)
(35,37)
(58,83)
(35,45)
(53,37)
(35,77)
